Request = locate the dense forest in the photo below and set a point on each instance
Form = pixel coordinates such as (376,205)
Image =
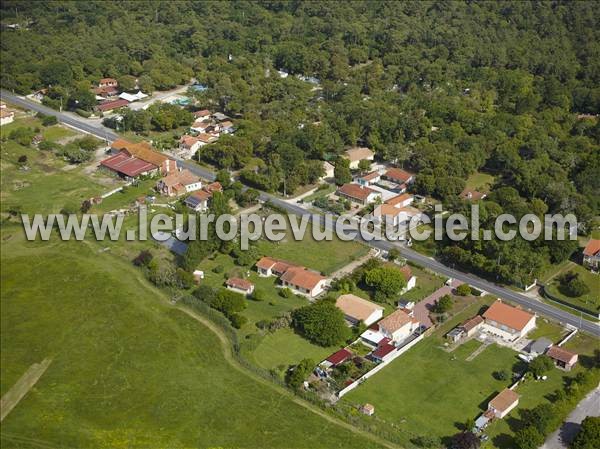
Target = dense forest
(442,88)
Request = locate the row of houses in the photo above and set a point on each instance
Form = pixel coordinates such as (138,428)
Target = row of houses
(206,129)
(110,97)
(295,277)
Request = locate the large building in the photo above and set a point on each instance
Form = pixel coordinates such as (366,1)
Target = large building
(507,322)
(298,278)
(357,310)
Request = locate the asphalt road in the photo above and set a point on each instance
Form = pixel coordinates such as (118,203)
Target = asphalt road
(413,256)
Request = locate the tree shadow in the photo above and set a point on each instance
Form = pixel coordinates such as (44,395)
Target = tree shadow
(568,431)
(484,404)
(504,441)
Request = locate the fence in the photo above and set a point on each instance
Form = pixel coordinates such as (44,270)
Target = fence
(379,367)
(553,298)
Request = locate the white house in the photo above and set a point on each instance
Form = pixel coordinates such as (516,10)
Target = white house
(398,326)
(591,254)
(329,170)
(304,281)
(369,178)
(358,194)
(6,116)
(240,285)
(178,183)
(358,310)
(507,322)
(410,279)
(198,201)
(503,403)
(189,145)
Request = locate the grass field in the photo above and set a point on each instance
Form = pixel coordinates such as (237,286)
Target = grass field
(284,347)
(480,181)
(589,301)
(128,369)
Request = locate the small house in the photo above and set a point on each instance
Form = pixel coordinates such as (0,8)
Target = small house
(337,358)
(358,194)
(398,326)
(198,276)
(189,145)
(178,183)
(240,285)
(591,254)
(369,178)
(503,403)
(357,154)
(410,279)
(399,176)
(198,201)
(6,116)
(357,310)
(562,358)
(367,409)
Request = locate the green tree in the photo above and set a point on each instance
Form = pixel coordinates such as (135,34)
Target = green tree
(126,83)
(341,171)
(322,323)
(540,365)
(386,281)
(296,375)
(529,438)
(364,165)
(463,290)
(443,305)
(588,436)
(464,440)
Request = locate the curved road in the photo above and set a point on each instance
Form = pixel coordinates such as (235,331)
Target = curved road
(524,301)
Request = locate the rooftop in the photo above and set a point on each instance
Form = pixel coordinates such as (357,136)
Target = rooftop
(558,353)
(359,153)
(395,321)
(302,277)
(592,248)
(239,283)
(399,174)
(356,191)
(510,316)
(356,307)
(504,400)
(127,165)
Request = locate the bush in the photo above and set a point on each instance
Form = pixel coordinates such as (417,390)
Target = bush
(259,295)
(218,269)
(572,285)
(83,113)
(322,323)
(238,320)
(286,293)
(443,305)
(46,145)
(463,290)
(540,365)
(185,278)
(143,259)
(205,293)
(501,375)
(49,120)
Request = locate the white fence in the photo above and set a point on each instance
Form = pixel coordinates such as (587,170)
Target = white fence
(379,367)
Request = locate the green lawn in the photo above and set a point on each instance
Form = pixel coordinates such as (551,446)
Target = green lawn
(480,182)
(319,193)
(128,370)
(589,301)
(324,256)
(284,347)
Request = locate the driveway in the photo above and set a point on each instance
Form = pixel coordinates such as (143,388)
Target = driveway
(589,406)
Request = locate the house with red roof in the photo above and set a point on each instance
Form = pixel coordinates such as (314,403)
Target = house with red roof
(189,145)
(591,254)
(507,322)
(399,176)
(108,82)
(337,358)
(129,167)
(562,358)
(111,105)
(398,326)
(369,178)
(358,194)
(240,285)
(178,183)
(296,277)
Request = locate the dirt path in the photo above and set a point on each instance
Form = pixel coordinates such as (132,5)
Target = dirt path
(226,346)
(12,397)
(348,269)
(477,351)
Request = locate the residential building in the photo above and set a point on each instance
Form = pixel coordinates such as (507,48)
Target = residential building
(400,201)
(591,254)
(410,279)
(200,126)
(103,93)
(358,194)
(384,351)
(178,183)
(240,285)
(399,176)
(226,127)
(214,187)
(367,409)
(398,326)
(304,281)
(112,105)
(198,201)
(455,334)
(6,116)
(472,195)
(562,358)
(144,151)
(507,322)
(396,216)
(369,178)
(268,266)
(329,170)
(189,145)
(220,117)
(472,325)
(357,310)
(108,82)
(205,138)
(198,276)
(503,403)
(204,114)
(357,154)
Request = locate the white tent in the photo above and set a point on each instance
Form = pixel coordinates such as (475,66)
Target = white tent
(133,97)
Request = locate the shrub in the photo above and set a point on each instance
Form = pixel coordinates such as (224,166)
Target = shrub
(238,320)
(286,293)
(83,113)
(443,305)
(540,365)
(259,294)
(218,269)
(322,323)
(463,290)
(185,278)
(49,120)
(501,375)
(572,285)
(46,145)
(143,259)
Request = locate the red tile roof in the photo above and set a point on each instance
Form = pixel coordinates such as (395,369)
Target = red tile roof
(126,165)
(201,195)
(371,176)
(202,113)
(241,284)
(406,272)
(396,320)
(510,316)
(399,199)
(398,174)
(558,353)
(339,357)
(592,248)
(471,323)
(302,277)
(356,191)
(383,349)
(504,400)
(109,105)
